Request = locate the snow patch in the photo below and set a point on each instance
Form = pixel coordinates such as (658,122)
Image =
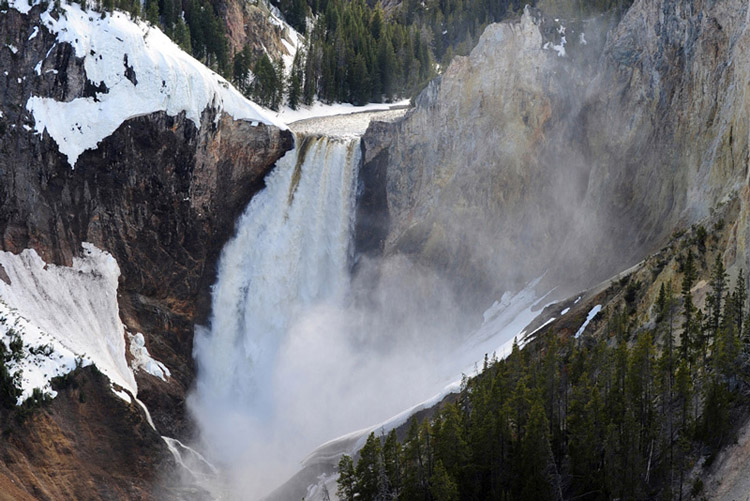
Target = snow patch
(123,395)
(564,311)
(594,311)
(34,33)
(168,80)
(559,47)
(142,359)
(12,48)
(22,6)
(64,316)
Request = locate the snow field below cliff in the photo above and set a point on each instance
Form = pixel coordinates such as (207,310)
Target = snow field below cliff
(65,316)
(144,72)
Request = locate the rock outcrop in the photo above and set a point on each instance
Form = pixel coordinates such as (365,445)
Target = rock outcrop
(86,444)
(256,25)
(519,162)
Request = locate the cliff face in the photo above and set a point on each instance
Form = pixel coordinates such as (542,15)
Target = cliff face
(520,162)
(256,25)
(87,444)
(160,194)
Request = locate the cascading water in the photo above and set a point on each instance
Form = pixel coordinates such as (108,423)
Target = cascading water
(291,252)
(289,361)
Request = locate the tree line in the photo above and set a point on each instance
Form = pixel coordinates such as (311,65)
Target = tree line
(354,51)
(624,415)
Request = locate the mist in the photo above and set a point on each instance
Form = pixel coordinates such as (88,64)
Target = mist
(300,351)
(339,368)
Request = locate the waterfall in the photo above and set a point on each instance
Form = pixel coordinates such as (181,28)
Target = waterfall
(291,252)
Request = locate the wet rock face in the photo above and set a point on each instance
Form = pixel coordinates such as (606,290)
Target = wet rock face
(518,162)
(159,194)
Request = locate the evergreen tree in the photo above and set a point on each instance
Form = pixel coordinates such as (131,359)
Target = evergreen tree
(534,455)
(347,482)
(718,284)
(182,35)
(392,465)
(415,484)
(152,12)
(296,78)
(266,88)
(369,468)
(688,327)
(442,486)
(740,299)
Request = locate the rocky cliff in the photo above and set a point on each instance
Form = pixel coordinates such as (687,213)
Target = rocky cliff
(524,158)
(258,25)
(160,193)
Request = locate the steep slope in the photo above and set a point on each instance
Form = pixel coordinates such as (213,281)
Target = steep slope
(111,136)
(86,444)
(259,26)
(520,161)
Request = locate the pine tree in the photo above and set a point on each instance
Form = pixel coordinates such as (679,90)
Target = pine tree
(684,390)
(392,465)
(347,482)
(534,455)
(265,89)
(714,300)
(688,327)
(740,299)
(442,485)
(296,77)
(415,480)
(450,443)
(152,12)
(368,470)
(279,87)
(182,35)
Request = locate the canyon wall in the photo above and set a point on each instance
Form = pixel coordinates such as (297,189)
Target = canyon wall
(161,194)
(523,159)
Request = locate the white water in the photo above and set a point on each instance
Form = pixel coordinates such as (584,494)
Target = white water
(291,253)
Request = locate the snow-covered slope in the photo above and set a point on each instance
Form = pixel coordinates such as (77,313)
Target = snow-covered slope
(63,316)
(143,72)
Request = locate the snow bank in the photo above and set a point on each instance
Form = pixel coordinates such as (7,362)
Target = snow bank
(166,79)
(63,315)
(142,358)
